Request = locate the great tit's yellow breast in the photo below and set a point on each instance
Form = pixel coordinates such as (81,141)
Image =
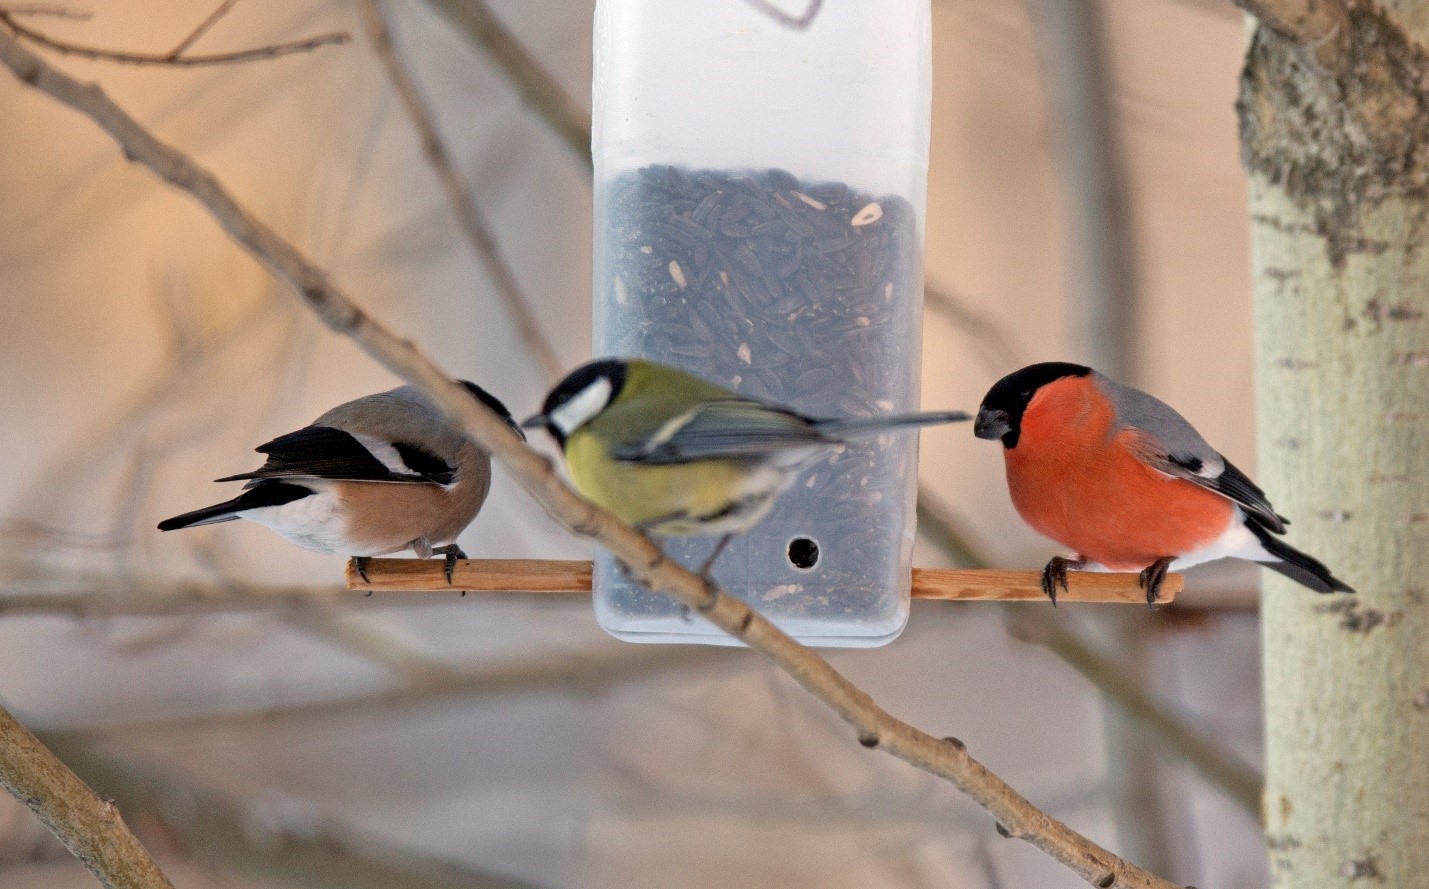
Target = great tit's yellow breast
(640,495)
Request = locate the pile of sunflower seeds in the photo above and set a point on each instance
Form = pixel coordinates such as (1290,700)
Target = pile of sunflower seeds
(803,293)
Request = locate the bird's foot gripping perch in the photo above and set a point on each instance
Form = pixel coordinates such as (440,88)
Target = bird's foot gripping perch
(1152,576)
(450,553)
(1055,575)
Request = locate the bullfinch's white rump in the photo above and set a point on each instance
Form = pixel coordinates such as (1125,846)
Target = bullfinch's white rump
(374,476)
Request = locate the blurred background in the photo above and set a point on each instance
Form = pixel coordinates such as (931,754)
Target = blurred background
(263,728)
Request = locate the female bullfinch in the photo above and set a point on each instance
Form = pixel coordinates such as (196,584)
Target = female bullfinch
(370,477)
(1127,483)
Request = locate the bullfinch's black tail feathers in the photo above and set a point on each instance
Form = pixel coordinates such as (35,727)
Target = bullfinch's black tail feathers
(1299,567)
(854,427)
(263,494)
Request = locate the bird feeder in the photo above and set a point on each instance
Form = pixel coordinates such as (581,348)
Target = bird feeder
(760,179)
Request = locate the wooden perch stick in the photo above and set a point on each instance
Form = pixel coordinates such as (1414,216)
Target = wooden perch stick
(537,576)
(947,758)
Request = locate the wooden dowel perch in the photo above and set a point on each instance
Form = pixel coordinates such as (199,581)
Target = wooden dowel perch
(536,576)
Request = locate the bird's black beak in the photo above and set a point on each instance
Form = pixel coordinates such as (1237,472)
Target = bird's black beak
(535,421)
(991,425)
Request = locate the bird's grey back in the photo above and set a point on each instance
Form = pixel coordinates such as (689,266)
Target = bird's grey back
(1148,413)
(401,414)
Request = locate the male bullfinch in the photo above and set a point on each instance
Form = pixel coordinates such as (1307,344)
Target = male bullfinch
(370,477)
(1127,483)
(678,456)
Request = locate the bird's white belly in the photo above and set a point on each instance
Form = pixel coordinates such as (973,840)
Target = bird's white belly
(1236,542)
(317,522)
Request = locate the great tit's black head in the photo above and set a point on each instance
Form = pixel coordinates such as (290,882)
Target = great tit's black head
(494,403)
(579,398)
(1000,416)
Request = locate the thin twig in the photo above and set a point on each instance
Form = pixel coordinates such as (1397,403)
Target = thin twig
(52,11)
(460,195)
(535,473)
(995,348)
(795,22)
(573,675)
(301,848)
(202,29)
(65,47)
(1223,769)
(545,95)
(89,825)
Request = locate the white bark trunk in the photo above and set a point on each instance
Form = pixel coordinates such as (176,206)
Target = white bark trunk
(1341,266)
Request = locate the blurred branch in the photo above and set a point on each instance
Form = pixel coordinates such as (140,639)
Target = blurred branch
(570,121)
(89,826)
(174,57)
(535,473)
(573,674)
(91,595)
(1105,309)
(797,23)
(474,223)
(303,851)
(1221,768)
(994,347)
(939,524)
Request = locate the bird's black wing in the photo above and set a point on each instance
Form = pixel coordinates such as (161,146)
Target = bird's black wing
(725,429)
(326,452)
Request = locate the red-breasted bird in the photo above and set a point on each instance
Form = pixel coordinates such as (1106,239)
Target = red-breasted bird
(1127,483)
(370,477)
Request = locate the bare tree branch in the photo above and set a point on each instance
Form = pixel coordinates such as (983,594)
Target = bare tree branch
(89,825)
(304,851)
(545,95)
(875,727)
(459,193)
(65,47)
(586,674)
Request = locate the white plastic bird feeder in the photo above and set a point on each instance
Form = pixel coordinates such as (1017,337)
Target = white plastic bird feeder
(761,171)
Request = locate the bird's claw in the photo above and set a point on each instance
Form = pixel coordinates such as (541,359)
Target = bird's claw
(1151,578)
(1055,575)
(360,563)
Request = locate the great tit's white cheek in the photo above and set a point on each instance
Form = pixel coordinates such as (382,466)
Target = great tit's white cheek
(582,407)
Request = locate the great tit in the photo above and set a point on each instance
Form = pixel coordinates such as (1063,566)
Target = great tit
(677,456)
(1126,482)
(370,477)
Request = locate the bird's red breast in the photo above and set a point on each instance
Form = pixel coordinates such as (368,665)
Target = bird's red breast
(1075,478)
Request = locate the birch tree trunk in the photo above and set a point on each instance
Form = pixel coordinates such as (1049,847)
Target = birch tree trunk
(1335,135)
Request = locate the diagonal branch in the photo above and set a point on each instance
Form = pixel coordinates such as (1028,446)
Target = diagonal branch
(459,193)
(875,727)
(90,826)
(173,57)
(537,87)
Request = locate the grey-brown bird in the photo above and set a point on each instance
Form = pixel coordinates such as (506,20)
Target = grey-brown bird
(374,476)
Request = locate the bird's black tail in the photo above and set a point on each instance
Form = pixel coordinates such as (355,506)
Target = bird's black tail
(265,494)
(855,427)
(1299,567)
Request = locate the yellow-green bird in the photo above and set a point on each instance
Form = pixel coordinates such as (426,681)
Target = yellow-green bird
(676,456)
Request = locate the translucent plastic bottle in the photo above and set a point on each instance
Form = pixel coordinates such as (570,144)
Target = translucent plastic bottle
(761,174)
